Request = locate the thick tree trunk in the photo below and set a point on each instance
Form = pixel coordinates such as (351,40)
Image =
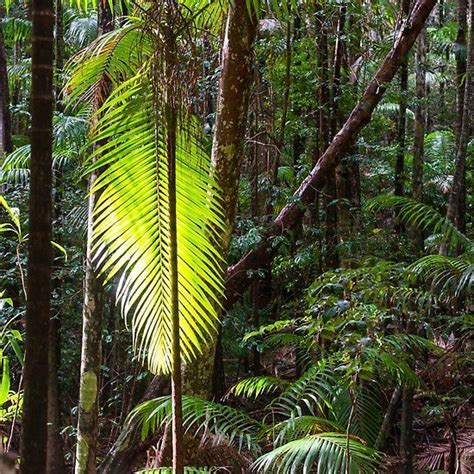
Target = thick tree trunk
(38,306)
(238,275)
(6,145)
(228,151)
(93,307)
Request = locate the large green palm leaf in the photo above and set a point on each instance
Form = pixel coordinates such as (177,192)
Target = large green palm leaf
(131,230)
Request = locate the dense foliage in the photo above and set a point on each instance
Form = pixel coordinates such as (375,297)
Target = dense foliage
(349,349)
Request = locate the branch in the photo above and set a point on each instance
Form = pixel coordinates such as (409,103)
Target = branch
(239,275)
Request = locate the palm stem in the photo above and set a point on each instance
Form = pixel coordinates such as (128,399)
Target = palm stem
(171,125)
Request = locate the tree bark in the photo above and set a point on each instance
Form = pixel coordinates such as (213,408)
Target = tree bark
(6,145)
(228,152)
(38,306)
(238,275)
(402,122)
(406,432)
(388,419)
(55,456)
(419,131)
(93,307)
(458,189)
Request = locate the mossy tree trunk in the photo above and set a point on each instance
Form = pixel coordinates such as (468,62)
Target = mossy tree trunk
(93,307)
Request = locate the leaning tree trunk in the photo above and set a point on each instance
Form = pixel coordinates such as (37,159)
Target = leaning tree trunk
(35,403)
(6,145)
(91,354)
(228,152)
(238,278)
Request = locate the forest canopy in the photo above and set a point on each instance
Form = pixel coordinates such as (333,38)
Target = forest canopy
(236,236)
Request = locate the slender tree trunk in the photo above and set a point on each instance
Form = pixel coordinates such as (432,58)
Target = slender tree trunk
(227,153)
(461,47)
(458,190)
(238,275)
(419,131)
(171,116)
(93,307)
(55,455)
(406,432)
(324,123)
(6,145)
(388,419)
(88,410)
(402,122)
(38,306)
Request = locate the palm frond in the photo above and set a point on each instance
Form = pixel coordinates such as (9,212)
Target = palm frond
(254,387)
(201,417)
(324,451)
(453,274)
(364,411)
(422,217)
(187,470)
(108,61)
(131,231)
(313,391)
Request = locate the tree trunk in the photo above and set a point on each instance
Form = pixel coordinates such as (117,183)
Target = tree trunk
(93,307)
(38,306)
(458,189)
(55,455)
(6,145)
(402,122)
(419,131)
(238,275)
(388,419)
(324,121)
(91,356)
(406,432)
(228,151)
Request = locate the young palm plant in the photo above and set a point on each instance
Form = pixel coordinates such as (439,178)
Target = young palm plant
(158,211)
